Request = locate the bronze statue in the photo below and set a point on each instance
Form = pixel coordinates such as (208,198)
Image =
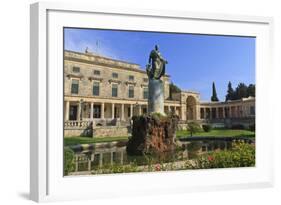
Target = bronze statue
(156,64)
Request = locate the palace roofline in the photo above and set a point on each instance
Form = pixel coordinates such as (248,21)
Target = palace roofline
(97,59)
(100,56)
(250,98)
(190,91)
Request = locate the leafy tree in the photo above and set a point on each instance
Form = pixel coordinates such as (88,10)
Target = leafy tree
(214,95)
(230,92)
(241,91)
(174,89)
(193,127)
(251,90)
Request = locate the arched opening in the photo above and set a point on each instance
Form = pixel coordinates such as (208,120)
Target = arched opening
(191,108)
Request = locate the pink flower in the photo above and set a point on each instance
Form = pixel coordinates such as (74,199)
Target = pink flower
(157,167)
(210,158)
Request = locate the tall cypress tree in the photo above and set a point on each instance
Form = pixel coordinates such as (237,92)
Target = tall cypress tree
(214,95)
(230,92)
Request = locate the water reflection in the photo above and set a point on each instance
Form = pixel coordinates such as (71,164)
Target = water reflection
(93,159)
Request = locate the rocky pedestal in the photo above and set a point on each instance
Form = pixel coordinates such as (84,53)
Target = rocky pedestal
(156,96)
(152,134)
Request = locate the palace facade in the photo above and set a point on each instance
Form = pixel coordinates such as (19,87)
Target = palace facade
(105,91)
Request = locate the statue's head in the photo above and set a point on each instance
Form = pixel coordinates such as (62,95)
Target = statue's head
(156,47)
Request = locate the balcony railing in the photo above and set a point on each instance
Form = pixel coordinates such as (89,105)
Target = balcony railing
(77,124)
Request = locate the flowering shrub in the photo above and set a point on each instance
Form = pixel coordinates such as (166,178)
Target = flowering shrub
(157,167)
(241,155)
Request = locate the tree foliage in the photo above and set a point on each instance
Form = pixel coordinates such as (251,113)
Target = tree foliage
(241,91)
(214,97)
(251,90)
(174,89)
(230,92)
(193,127)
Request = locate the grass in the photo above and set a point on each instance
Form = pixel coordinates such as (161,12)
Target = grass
(88,140)
(218,133)
(181,133)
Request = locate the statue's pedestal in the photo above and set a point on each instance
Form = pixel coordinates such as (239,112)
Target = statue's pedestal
(156,96)
(152,134)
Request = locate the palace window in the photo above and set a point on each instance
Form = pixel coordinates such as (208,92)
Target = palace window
(145,80)
(114,90)
(96,89)
(131,78)
(131,91)
(145,93)
(76,69)
(74,86)
(96,72)
(114,75)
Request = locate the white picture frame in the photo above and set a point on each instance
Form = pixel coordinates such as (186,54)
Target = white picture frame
(46,175)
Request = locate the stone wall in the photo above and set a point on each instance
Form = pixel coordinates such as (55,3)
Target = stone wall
(111,131)
(102,131)
(73,132)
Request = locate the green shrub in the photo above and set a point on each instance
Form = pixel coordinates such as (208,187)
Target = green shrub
(193,127)
(238,127)
(241,155)
(252,127)
(207,127)
(69,163)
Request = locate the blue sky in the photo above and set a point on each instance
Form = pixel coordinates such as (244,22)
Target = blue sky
(194,61)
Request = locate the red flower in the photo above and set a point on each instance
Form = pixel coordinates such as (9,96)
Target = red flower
(157,167)
(210,158)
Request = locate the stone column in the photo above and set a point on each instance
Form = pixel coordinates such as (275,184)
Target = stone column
(183,112)
(205,113)
(169,108)
(92,111)
(101,159)
(217,113)
(79,110)
(131,110)
(122,112)
(229,112)
(111,158)
(67,111)
(223,112)
(239,108)
(197,112)
(102,111)
(176,112)
(112,110)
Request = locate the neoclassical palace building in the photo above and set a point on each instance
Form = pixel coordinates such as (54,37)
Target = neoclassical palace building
(105,91)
